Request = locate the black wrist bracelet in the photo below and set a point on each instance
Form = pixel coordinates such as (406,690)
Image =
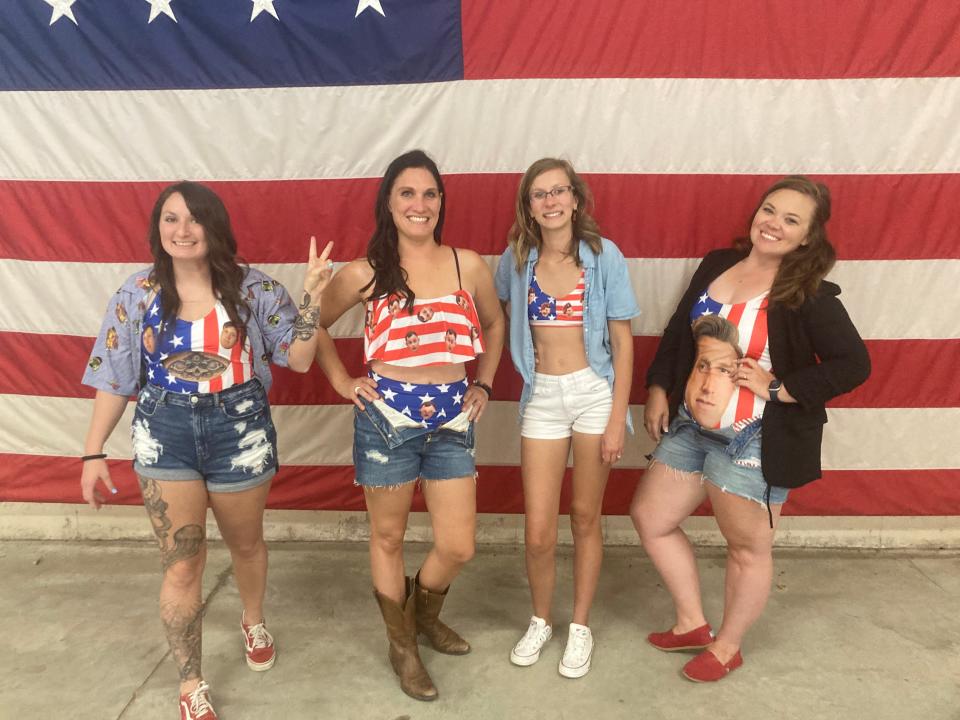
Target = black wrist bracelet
(97,456)
(483,386)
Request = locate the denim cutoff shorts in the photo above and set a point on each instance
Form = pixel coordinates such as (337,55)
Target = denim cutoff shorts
(386,456)
(226,439)
(728,460)
(580,401)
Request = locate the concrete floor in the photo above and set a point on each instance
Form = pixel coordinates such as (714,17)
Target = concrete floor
(845,635)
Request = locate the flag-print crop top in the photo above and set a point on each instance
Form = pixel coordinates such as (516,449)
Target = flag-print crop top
(214,339)
(436,331)
(544,309)
(750,317)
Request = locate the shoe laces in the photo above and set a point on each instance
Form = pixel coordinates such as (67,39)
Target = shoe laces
(200,700)
(258,637)
(579,644)
(535,636)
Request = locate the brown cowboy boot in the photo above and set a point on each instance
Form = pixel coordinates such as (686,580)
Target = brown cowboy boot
(441,637)
(404,657)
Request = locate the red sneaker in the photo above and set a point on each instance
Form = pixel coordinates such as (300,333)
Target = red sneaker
(258,643)
(196,705)
(705,667)
(669,641)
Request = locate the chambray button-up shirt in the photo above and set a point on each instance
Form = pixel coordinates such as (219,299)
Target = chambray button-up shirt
(608,295)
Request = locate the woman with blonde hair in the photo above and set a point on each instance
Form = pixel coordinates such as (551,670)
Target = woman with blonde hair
(569,298)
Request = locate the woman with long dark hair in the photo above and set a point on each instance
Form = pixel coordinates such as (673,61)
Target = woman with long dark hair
(570,301)
(192,336)
(429,310)
(799,349)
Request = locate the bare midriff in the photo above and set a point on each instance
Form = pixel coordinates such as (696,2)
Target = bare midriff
(429,375)
(558,350)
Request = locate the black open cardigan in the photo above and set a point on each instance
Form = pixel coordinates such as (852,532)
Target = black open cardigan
(815,351)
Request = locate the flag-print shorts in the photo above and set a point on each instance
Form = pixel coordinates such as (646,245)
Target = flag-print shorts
(227,439)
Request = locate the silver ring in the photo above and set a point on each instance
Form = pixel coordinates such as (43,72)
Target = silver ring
(356,391)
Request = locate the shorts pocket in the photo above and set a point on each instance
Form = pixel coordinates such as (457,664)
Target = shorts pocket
(375,419)
(147,403)
(244,407)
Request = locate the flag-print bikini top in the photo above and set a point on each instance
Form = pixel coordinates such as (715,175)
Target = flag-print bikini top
(439,331)
(544,309)
(213,334)
(750,317)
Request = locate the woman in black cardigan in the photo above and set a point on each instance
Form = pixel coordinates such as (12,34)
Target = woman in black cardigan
(800,350)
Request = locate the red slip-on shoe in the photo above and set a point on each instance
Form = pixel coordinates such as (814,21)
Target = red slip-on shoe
(669,641)
(705,667)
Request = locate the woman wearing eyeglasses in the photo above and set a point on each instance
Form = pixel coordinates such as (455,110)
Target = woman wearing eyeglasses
(569,298)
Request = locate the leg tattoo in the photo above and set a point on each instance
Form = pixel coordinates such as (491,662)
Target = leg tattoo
(184,626)
(187,542)
(156,509)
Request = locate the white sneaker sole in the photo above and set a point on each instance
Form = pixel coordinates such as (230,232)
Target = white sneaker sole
(261,667)
(524,660)
(578,672)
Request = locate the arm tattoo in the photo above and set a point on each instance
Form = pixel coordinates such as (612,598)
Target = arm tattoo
(308,321)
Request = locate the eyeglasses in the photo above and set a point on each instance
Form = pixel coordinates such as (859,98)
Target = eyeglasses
(556,193)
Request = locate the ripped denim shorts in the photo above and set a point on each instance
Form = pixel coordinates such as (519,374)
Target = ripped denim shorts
(728,460)
(385,455)
(226,439)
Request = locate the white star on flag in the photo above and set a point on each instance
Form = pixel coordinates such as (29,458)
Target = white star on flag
(260,6)
(703,298)
(372,4)
(389,395)
(426,398)
(163,356)
(442,413)
(376,378)
(457,398)
(443,388)
(171,380)
(158,7)
(154,310)
(177,341)
(61,8)
(406,411)
(706,312)
(150,373)
(407,387)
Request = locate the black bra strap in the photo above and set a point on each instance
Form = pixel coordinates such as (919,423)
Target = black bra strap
(457,261)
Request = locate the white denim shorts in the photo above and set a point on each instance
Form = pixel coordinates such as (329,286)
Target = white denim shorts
(580,401)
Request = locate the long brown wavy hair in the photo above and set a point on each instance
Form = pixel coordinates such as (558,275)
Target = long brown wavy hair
(383,252)
(801,270)
(226,275)
(525,232)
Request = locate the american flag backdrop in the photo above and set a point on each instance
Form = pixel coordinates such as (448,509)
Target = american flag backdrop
(678,113)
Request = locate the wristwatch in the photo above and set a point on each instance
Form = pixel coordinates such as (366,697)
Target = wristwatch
(774,388)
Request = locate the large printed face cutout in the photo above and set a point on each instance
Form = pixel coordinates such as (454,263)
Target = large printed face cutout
(711,382)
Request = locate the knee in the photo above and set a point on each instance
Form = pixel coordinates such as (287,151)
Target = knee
(387,542)
(456,553)
(540,542)
(644,521)
(584,521)
(748,554)
(184,572)
(247,550)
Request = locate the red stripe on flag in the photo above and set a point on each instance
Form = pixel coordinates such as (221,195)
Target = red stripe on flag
(211,344)
(875,217)
(52,365)
(32,478)
(702,38)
